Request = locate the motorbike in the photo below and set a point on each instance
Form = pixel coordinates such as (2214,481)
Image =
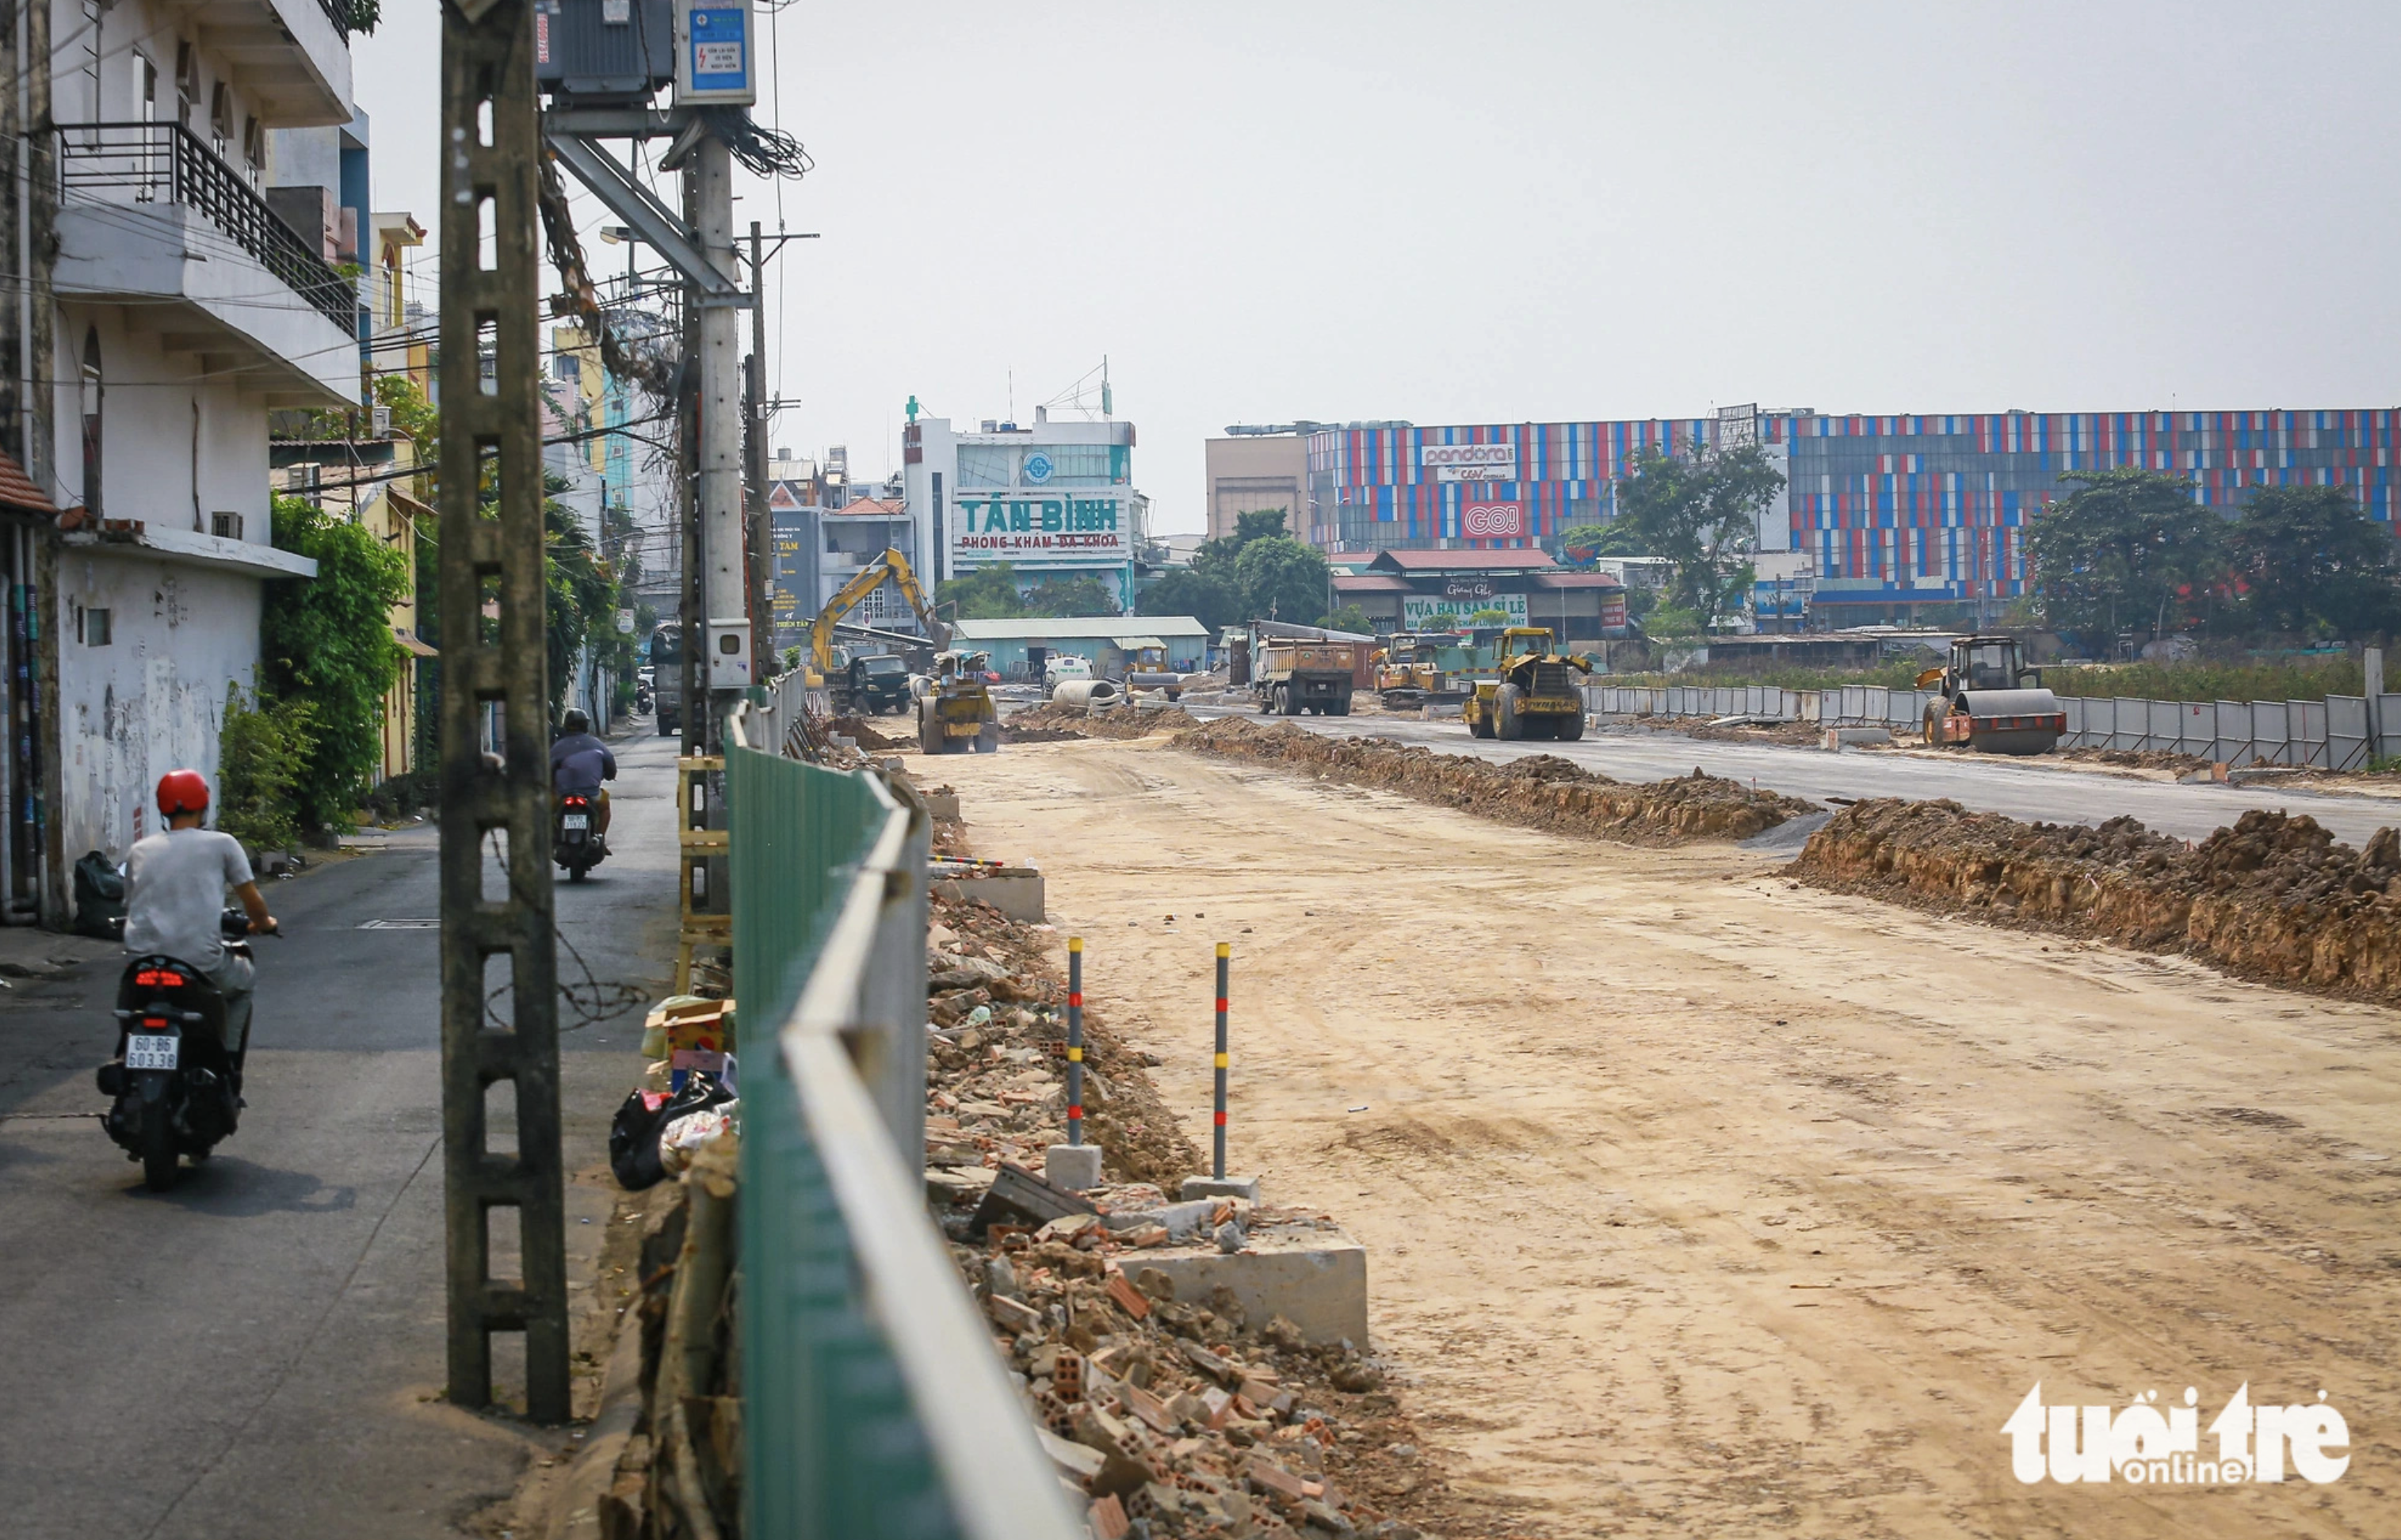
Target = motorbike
(643,699)
(175,1089)
(575,844)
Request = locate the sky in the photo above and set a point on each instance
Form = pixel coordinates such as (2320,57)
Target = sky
(1543,211)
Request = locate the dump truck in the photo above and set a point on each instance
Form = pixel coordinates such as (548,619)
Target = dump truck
(955,709)
(1532,692)
(1990,700)
(1411,670)
(1290,676)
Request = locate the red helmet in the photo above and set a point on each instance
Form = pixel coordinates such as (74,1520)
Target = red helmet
(183,791)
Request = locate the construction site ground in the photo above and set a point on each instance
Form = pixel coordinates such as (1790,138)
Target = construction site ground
(1700,1203)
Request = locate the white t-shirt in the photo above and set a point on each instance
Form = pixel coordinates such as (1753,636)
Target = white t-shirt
(175,887)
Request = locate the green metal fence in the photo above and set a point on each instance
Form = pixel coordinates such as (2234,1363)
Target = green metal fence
(874,1405)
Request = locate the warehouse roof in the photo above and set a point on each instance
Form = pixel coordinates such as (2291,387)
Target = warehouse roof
(1116,630)
(1370,582)
(1529,560)
(1576,580)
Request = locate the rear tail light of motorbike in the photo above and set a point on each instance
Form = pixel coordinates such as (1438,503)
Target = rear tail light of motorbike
(154,1024)
(575,802)
(158,979)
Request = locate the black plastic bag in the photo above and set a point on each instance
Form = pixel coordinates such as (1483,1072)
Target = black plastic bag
(100,898)
(633,1133)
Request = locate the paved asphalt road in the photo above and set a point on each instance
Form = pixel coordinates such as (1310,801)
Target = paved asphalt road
(1986,783)
(257,1353)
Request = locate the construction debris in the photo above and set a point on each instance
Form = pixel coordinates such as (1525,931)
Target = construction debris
(1169,1416)
(2275,897)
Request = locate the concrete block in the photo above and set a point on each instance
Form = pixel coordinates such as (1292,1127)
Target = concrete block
(1014,891)
(1181,1220)
(943,805)
(1842,738)
(1442,711)
(1307,1271)
(1245,1188)
(1076,1167)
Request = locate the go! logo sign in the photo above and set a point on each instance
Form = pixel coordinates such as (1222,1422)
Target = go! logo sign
(1491,521)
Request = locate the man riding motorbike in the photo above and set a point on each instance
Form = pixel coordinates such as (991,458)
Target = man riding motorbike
(175,897)
(579,762)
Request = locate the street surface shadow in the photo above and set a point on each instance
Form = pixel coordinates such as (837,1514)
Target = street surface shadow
(240,1188)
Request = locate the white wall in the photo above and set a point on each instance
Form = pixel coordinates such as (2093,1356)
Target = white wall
(152,463)
(153,699)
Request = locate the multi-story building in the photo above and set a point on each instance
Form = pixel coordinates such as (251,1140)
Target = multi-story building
(1052,499)
(195,287)
(1881,516)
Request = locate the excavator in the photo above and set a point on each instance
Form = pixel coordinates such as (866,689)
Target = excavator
(845,683)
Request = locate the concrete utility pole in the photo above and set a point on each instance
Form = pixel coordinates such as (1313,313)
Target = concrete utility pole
(762,545)
(496,560)
(709,177)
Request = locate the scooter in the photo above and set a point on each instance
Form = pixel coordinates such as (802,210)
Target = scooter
(576,845)
(175,1090)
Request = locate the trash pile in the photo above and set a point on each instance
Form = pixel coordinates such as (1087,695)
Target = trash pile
(687,1097)
(2274,898)
(1167,1417)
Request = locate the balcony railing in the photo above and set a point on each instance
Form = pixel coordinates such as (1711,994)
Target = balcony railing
(166,162)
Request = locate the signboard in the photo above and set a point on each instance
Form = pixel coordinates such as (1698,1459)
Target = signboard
(1039,467)
(1424,612)
(1057,527)
(625,622)
(1468,462)
(713,55)
(1491,521)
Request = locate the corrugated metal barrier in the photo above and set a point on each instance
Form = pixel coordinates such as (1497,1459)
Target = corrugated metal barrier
(874,1404)
(2328,734)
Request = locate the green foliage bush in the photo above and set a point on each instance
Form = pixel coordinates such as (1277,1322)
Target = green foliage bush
(263,758)
(2265,679)
(326,642)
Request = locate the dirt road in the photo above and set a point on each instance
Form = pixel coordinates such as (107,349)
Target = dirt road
(1701,1203)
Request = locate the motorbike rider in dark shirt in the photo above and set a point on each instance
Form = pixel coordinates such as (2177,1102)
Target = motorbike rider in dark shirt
(579,762)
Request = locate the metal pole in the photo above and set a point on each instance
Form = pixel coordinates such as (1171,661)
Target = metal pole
(724,592)
(1075,1040)
(1218,1162)
(496,557)
(762,547)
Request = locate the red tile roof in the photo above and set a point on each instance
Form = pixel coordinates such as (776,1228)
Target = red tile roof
(1529,560)
(17,490)
(1369,582)
(870,508)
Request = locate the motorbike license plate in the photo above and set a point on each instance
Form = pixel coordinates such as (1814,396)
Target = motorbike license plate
(143,1052)
(578,820)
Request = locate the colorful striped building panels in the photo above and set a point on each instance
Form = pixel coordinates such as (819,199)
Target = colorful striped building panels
(1908,507)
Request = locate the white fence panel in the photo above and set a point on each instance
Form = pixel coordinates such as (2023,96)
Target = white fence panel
(2128,721)
(2233,744)
(2308,727)
(2346,731)
(2271,736)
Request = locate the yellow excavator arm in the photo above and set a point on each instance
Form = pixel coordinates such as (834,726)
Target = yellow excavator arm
(892,565)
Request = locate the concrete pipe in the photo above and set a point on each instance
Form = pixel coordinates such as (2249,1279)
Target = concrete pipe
(1088,695)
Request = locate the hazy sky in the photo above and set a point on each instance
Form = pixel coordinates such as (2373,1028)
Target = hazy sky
(1499,212)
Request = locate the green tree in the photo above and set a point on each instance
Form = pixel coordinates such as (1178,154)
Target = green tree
(1281,579)
(1349,617)
(263,753)
(1066,596)
(2310,560)
(2128,548)
(582,593)
(1699,510)
(1614,538)
(987,593)
(1203,595)
(327,643)
(1672,621)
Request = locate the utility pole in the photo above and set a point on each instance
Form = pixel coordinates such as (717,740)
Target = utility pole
(497,561)
(762,545)
(726,632)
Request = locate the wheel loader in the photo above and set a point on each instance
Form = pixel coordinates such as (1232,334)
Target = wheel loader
(1533,694)
(1990,700)
(1409,670)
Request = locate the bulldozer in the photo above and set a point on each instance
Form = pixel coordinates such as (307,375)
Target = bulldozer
(1409,670)
(1990,700)
(954,710)
(1534,693)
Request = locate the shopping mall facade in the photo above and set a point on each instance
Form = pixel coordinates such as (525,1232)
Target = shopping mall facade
(1880,514)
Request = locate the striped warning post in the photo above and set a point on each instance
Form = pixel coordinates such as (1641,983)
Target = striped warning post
(1218,1167)
(1075,1040)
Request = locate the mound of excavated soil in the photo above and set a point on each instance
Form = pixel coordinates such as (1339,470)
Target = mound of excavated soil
(1541,791)
(860,732)
(2274,898)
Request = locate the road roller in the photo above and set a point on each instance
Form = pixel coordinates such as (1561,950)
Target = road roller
(1990,700)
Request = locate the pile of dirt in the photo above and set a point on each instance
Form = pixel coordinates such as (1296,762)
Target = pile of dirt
(2183,764)
(1540,791)
(857,731)
(1052,722)
(1184,1415)
(2275,897)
